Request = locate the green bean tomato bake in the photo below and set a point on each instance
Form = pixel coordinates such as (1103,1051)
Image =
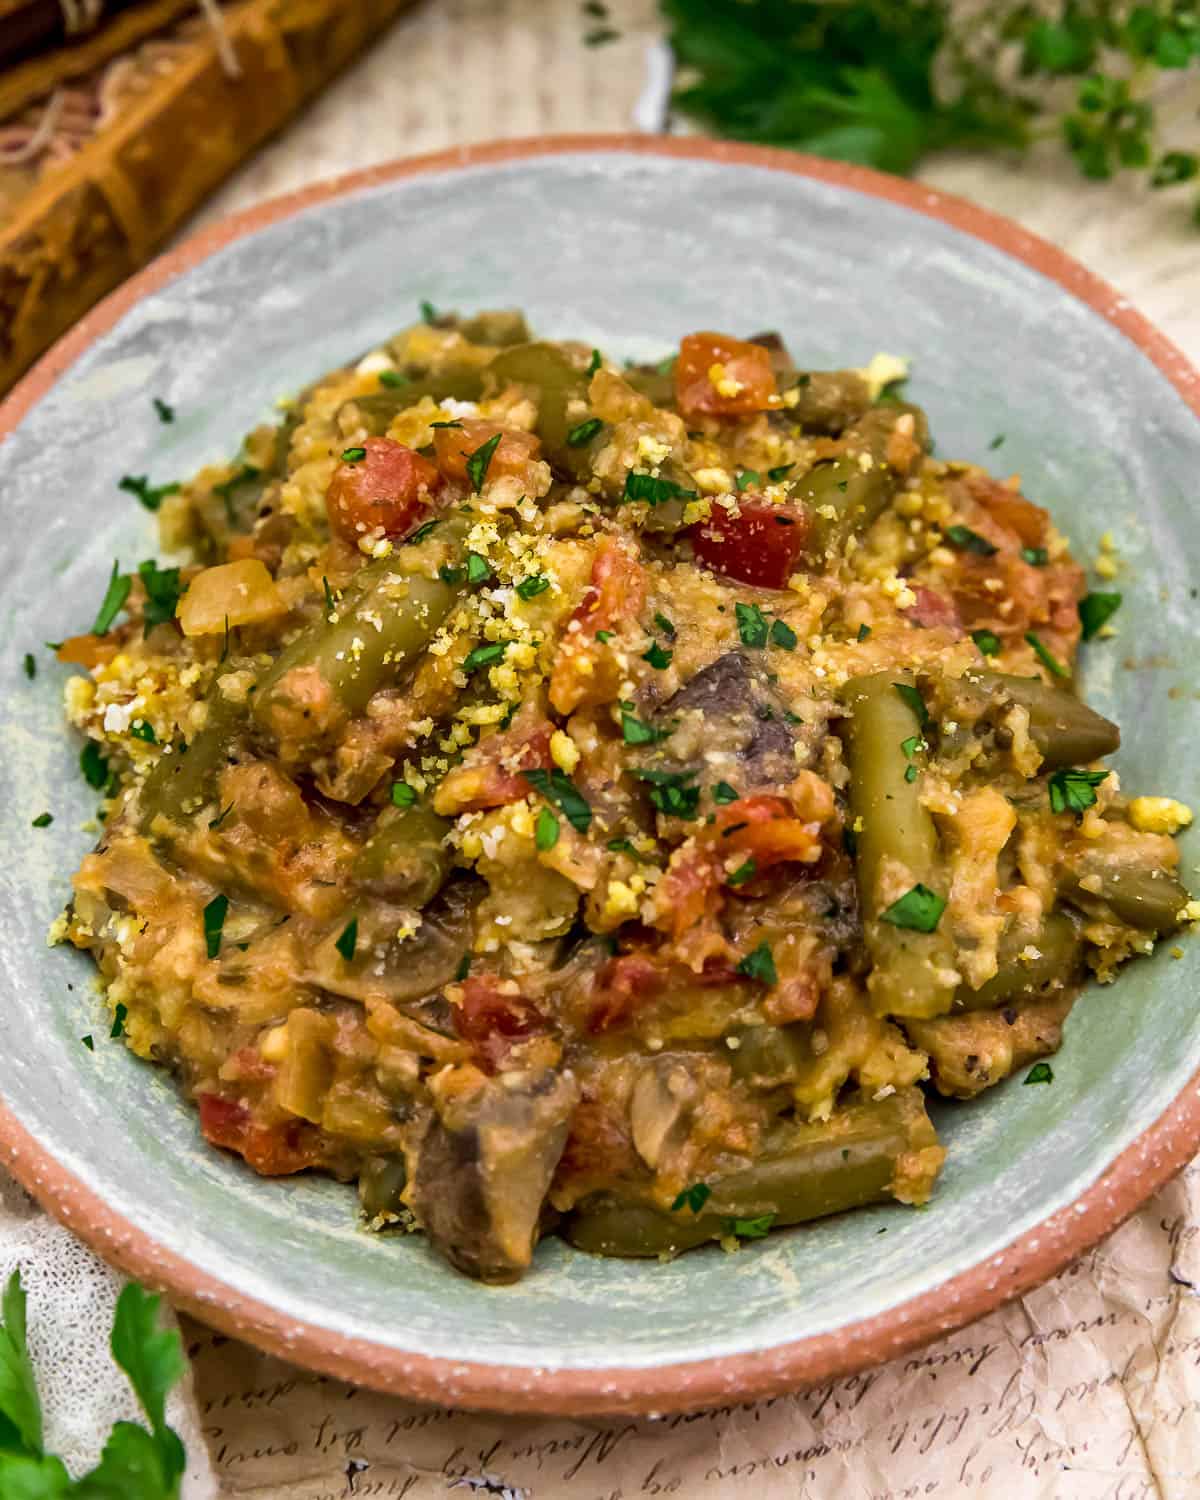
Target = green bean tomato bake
(602,800)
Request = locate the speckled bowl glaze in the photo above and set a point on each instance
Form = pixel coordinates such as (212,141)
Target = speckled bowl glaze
(627,243)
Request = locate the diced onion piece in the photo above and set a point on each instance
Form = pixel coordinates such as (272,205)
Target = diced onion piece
(243,593)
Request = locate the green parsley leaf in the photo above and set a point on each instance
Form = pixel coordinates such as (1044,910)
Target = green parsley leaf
(531,587)
(1095,611)
(654,491)
(996,441)
(477,463)
(144,730)
(88,1042)
(987,641)
(662,623)
(330,604)
(636,732)
(115,596)
(863,632)
(43,820)
(403,795)
(914,700)
(723,793)
(1046,657)
(149,495)
(162,594)
(751,1229)
(781,471)
(1036,557)
(658,656)
(599,36)
(546,830)
(214,923)
(1072,790)
(393,378)
(118,1023)
(752,625)
(152,1358)
(347,941)
(216,822)
(670,792)
(1040,1073)
(760,965)
(783,635)
(621,846)
(164,412)
(910,774)
(666,366)
(604,636)
(918,910)
(745,479)
(479,570)
(444,424)
(30,666)
(353,455)
(485,656)
(1176,166)
(429,313)
(420,534)
(464,968)
(93,765)
(451,575)
(743,873)
(584,432)
(19,1401)
(694,1197)
(967,540)
(594,363)
(557,787)
(911,745)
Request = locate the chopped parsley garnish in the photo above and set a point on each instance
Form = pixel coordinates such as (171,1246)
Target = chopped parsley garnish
(464,968)
(863,632)
(214,923)
(910,774)
(353,455)
(1047,658)
(1036,557)
(115,596)
(164,412)
(666,366)
(485,656)
(144,730)
(88,1042)
(918,910)
(1095,611)
(1074,791)
(654,491)
(781,471)
(479,570)
(638,733)
(783,635)
(162,594)
(752,625)
(348,941)
(604,636)
(557,787)
(546,830)
(43,820)
(599,35)
(743,873)
(658,656)
(914,701)
(670,792)
(723,793)
(694,1197)
(663,624)
(584,432)
(118,1025)
(420,534)
(892,393)
(445,424)
(403,795)
(477,463)
(429,313)
(1040,1073)
(996,441)
(621,846)
(987,641)
(531,587)
(93,765)
(751,1229)
(330,605)
(594,362)
(967,540)
(149,495)
(30,666)
(911,745)
(216,822)
(760,965)
(392,378)
(745,479)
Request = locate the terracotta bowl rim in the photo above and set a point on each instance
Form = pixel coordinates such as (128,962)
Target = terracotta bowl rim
(1031,1258)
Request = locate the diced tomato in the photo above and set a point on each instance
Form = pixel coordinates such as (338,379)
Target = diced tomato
(386,490)
(766,828)
(585,672)
(933,610)
(491,775)
(720,376)
(492,1021)
(1029,523)
(760,545)
(455,445)
(271,1150)
(619,985)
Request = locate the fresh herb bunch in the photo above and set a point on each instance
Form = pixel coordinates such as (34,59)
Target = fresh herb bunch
(137,1463)
(884,84)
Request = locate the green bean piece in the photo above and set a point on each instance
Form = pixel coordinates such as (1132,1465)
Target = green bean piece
(767,1056)
(913,971)
(807,1172)
(385,619)
(1059,947)
(1148,899)
(828,400)
(547,369)
(378,410)
(1065,730)
(185,778)
(844,498)
(405,860)
(498,327)
(380,1184)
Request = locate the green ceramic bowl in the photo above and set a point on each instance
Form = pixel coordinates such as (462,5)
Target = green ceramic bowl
(627,243)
